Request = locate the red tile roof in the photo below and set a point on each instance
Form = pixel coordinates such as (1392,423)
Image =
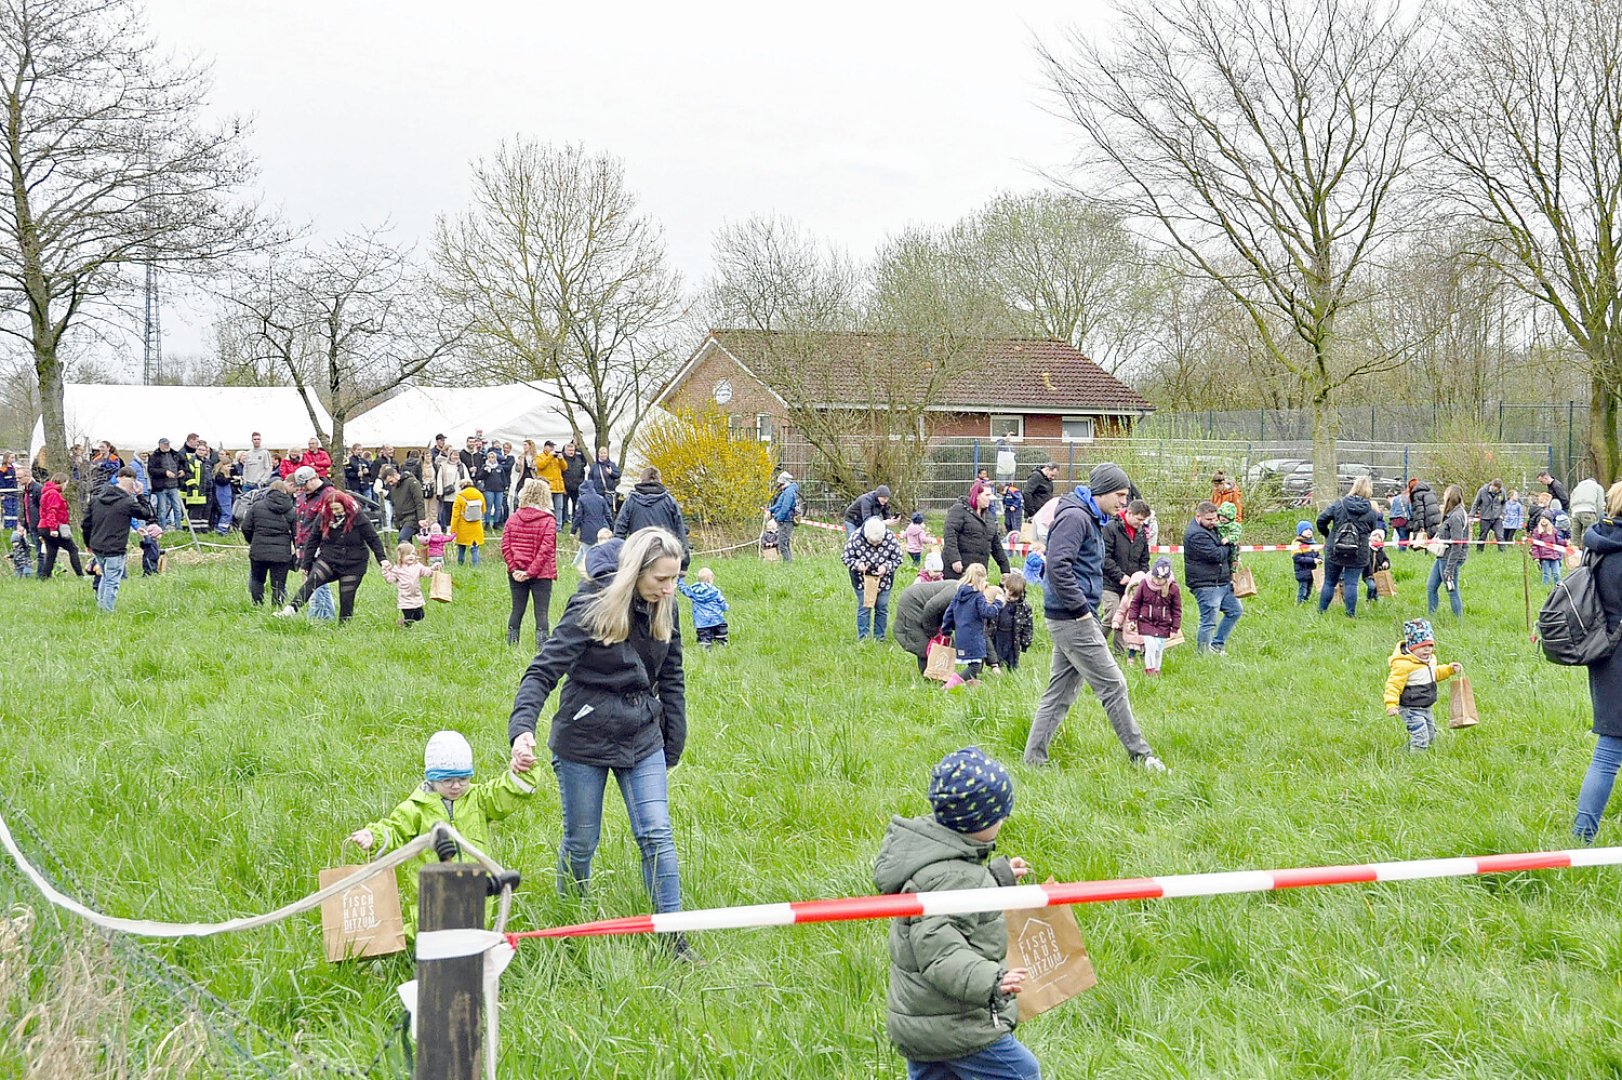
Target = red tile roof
(1010,373)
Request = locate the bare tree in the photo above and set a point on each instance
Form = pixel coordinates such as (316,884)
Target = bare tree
(771,275)
(1268,141)
(344,323)
(565,284)
(108,165)
(1531,126)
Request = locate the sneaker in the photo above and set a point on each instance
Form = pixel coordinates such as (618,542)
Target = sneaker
(1150,763)
(287,612)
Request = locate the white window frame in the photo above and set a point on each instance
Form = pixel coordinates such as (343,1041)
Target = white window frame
(1092,428)
(991,425)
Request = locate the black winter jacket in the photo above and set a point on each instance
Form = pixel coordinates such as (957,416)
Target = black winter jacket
(171,461)
(1605,677)
(918,614)
(1425,510)
(650,505)
(972,538)
(344,549)
(867,506)
(106,522)
(621,703)
(269,527)
(1038,490)
(1207,561)
(406,498)
(1123,555)
(574,473)
(591,514)
(1353,510)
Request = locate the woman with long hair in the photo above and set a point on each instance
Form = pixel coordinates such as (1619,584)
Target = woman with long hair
(336,551)
(1451,538)
(622,710)
(1604,538)
(529,545)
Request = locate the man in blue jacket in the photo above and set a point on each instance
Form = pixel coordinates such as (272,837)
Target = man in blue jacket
(1080,652)
(785,510)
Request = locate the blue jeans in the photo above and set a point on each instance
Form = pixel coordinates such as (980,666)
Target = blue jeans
(878,615)
(647,804)
(322,606)
(1213,599)
(1005,1059)
(1347,576)
(112,572)
(1303,591)
(1596,790)
(1421,725)
(1551,571)
(461,553)
(167,503)
(1434,582)
(495,508)
(560,504)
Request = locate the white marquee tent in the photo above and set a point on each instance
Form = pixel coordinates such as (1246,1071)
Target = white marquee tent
(511,412)
(134,418)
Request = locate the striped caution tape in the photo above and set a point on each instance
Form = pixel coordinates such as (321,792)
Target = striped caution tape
(1024,897)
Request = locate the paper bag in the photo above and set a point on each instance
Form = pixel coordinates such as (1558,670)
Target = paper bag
(1027,533)
(363,920)
(1176,638)
(440,587)
(771,554)
(1384,584)
(1574,558)
(1318,585)
(1461,706)
(870,590)
(1244,582)
(942,660)
(1047,943)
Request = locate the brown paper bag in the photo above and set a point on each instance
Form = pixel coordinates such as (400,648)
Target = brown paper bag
(1027,533)
(440,587)
(1318,585)
(1461,706)
(771,554)
(1244,582)
(1384,584)
(1176,639)
(1574,559)
(870,590)
(942,661)
(1047,943)
(363,920)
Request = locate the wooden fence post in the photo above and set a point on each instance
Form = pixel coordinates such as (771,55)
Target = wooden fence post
(450,993)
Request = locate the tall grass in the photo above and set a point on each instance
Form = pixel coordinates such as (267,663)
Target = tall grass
(193,758)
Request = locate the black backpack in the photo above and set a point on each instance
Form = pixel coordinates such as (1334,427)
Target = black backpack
(1571,624)
(1346,546)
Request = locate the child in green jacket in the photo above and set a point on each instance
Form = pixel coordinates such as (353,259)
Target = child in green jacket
(448,795)
(952,1006)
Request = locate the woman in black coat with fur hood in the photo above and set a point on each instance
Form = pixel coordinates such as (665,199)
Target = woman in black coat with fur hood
(973,533)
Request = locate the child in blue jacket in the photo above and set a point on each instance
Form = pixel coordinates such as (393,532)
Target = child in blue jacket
(709,608)
(965,619)
(1306,558)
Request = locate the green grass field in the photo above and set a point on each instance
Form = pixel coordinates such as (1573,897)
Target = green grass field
(195,759)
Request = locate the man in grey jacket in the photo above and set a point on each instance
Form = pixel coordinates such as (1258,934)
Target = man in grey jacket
(1489,510)
(257,468)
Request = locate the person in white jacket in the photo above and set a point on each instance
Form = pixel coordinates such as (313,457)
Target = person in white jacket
(1587,504)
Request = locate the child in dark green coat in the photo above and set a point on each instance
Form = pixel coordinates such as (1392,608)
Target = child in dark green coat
(952,1006)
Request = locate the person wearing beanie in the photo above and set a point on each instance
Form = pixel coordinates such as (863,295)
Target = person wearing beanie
(786,510)
(953,1002)
(913,538)
(1410,688)
(1156,614)
(1304,553)
(447,794)
(1075,584)
(1378,561)
(875,503)
(973,533)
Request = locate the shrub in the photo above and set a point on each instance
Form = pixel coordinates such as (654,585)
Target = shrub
(719,481)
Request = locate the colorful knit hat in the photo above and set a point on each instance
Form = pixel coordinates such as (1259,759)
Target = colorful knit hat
(969,791)
(1418,632)
(1227,511)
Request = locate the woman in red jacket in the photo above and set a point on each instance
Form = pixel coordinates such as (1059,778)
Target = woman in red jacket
(530,546)
(54,528)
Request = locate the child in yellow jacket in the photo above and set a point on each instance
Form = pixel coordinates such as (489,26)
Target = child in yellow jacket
(467,522)
(447,794)
(1410,690)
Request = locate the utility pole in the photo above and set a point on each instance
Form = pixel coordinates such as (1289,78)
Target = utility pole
(152,337)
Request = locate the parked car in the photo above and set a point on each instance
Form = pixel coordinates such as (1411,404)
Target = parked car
(1298,481)
(1271,469)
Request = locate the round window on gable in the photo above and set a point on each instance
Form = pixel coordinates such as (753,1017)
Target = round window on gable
(723,391)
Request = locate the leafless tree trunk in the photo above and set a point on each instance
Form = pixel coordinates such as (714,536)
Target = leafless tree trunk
(107,165)
(345,324)
(565,284)
(1268,142)
(1531,127)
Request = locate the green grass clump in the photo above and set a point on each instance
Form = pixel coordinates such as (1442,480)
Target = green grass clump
(193,758)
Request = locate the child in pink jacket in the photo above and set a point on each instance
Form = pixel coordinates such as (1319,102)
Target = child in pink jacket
(406,576)
(913,536)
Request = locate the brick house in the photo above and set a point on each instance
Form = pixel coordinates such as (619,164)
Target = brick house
(1024,387)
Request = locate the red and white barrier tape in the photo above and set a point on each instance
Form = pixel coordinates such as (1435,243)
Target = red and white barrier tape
(1023,897)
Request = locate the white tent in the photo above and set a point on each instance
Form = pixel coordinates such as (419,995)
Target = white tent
(511,412)
(134,418)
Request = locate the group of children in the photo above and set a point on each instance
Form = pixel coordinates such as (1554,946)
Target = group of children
(990,626)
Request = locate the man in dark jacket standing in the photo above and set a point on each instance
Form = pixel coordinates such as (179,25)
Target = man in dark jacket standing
(918,614)
(1039,489)
(165,467)
(269,529)
(574,474)
(1126,552)
(1208,573)
(1489,510)
(406,501)
(1557,490)
(106,529)
(606,475)
(651,505)
(1075,582)
(1346,525)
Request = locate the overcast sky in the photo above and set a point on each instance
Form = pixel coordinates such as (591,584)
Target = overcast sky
(854,119)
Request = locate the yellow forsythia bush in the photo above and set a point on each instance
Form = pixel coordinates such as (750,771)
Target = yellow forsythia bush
(718,480)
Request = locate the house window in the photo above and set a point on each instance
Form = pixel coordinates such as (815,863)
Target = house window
(1077,429)
(735,427)
(1011,426)
(765,427)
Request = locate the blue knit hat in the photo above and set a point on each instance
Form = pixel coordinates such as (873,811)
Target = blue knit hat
(917,518)
(1303,527)
(969,791)
(1417,632)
